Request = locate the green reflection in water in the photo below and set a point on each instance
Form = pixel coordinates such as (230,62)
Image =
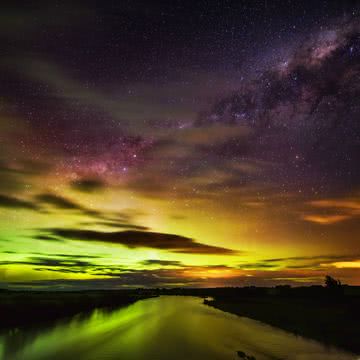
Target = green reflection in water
(168,327)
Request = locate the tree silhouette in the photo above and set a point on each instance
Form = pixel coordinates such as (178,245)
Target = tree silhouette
(332,283)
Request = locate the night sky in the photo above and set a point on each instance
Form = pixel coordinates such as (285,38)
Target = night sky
(179,143)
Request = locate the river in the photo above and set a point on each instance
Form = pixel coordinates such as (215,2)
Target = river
(167,327)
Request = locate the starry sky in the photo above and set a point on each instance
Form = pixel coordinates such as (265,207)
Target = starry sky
(176,143)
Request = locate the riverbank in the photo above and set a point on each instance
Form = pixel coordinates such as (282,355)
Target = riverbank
(331,321)
(19,309)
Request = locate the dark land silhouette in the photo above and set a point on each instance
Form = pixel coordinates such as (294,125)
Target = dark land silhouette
(329,314)
(20,309)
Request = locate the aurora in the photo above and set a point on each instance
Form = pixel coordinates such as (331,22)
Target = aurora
(176,145)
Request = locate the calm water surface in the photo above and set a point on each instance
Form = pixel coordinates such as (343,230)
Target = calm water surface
(169,327)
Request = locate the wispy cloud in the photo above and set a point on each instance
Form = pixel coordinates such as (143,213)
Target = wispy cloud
(332,211)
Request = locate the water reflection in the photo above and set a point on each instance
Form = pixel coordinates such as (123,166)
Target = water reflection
(168,327)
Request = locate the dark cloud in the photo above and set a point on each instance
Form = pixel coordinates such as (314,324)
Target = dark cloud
(330,258)
(14,203)
(109,219)
(50,262)
(320,262)
(77,256)
(45,238)
(104,219)
(257,265)
(88,185)
(162,262)
(62,203)
(115,224)
(58,201)
(62,263)
(139,239)
(68,262)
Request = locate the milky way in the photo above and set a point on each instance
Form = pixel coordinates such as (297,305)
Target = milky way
(169,144)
